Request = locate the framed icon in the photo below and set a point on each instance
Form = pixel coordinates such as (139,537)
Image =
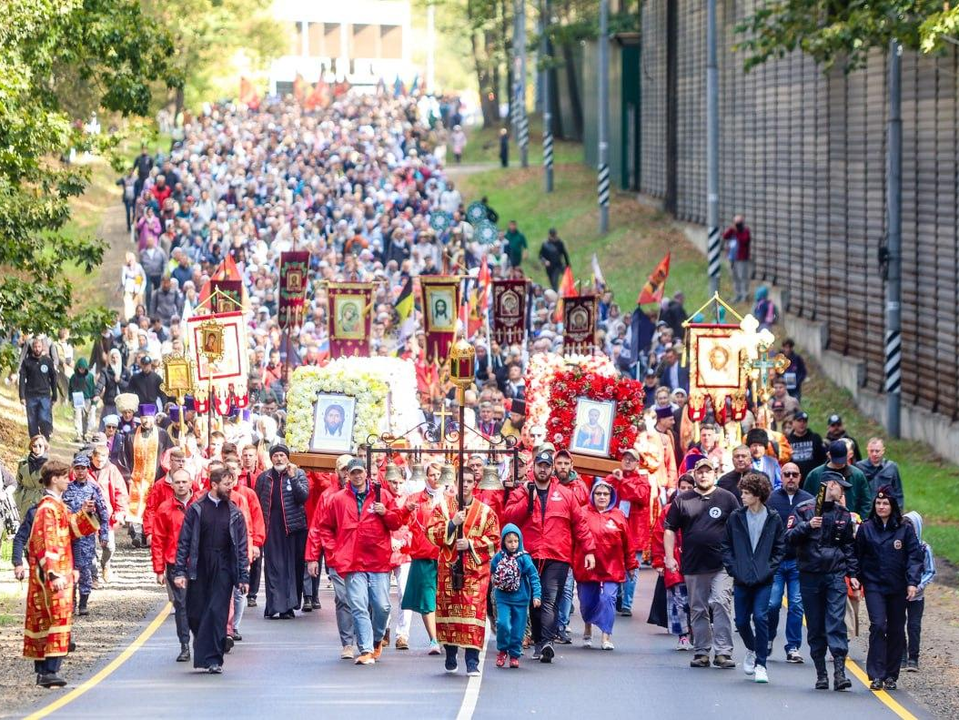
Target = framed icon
(593,427)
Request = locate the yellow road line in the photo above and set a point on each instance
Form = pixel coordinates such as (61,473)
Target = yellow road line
(108,670)
(881,695)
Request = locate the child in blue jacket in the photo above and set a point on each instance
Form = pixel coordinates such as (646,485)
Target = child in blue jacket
(911,660)
(516,583)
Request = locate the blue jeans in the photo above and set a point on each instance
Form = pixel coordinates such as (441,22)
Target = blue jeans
(40,416)
(511,624)
(566,602)
(786,579)
(629,586)
(752,602)
(368,595)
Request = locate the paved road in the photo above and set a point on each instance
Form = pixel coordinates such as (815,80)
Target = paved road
(291,669)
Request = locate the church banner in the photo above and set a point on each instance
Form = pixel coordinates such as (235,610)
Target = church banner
(226,296)
(294,266)
(218,345)
(441,302)
(509,311)
(348,318)
(579,324)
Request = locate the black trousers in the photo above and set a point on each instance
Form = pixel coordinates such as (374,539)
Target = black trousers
(544,619)
(914,620)
(888,613)
(179,599)
(208,605)
(255,570)
(48,666)
(825,605)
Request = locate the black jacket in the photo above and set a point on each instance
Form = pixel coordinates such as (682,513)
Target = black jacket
(293,493)
(780,501)
(827,549)
(188,545)
(38,377)
(890,557)
(147,388)
(108,387)
(748,566)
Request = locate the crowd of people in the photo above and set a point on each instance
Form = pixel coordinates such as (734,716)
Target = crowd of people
(729,527)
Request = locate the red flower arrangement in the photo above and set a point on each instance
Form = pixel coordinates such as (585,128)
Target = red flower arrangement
(568,385)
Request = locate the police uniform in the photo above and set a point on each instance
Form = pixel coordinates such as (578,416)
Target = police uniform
(825,556)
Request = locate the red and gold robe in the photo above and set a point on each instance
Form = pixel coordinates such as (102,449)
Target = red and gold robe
(462,614)
(46,631)
(146,452)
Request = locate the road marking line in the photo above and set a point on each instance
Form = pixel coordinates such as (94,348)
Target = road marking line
(87,685)
(472,694)
(881,695)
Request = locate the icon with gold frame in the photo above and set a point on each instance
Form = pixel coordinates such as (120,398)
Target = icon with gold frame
(211,341)
(177,375)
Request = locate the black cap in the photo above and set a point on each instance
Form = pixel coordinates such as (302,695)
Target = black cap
(801,416)
(280,447)
(831,476)
(834,420)
(545,457)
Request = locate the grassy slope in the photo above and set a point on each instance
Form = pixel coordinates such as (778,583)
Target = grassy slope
(638,239)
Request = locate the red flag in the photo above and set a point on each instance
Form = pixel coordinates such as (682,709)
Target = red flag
(319,97)
(568,288)
(248,94)
(226,270)
(653,291)
(299,88)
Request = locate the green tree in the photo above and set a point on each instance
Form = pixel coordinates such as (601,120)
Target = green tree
(845,31)
(117,54)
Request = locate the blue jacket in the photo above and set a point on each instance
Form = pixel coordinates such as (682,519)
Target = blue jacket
(929,564)
(530,585)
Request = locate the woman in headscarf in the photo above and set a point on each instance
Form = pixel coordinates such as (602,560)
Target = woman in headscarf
(597,588)
(132,282)
(890,559)
(29,490)
(112,381)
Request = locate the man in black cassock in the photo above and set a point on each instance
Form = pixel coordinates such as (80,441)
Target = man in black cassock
(283,490)
(211,561)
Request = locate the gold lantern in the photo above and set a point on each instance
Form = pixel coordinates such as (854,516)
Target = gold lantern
(462,364)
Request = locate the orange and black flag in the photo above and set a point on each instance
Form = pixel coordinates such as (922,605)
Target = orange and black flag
(404,303)
(568,288)
(653,291)
(300,88)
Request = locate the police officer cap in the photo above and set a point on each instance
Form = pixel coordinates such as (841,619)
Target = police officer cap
(830,476)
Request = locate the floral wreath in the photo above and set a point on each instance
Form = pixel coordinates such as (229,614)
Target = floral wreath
(570,384)
(368,380)
(541,370)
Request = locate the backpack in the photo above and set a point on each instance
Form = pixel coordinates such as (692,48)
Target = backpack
(507,576)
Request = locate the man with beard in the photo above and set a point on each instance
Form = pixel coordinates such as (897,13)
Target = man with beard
(283,491)
(212,556)
(38,389)
(142,451)
(333,420)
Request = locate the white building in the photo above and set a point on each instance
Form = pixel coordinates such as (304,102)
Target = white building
(361,41)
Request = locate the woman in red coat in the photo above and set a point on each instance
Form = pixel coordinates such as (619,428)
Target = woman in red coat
(597,588)
(678,607)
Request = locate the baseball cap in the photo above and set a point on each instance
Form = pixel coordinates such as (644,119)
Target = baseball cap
(831,476)
(838,451)
(801,416)
(632,453)
(834,419)
(356,464)
(777,405)
(343,461)
(81,460)
(146,360)
(703,462)
(544,457)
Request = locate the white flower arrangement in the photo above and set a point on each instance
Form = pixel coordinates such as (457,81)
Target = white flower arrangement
(370,381)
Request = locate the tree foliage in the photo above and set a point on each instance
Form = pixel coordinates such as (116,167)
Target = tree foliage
(845,31)
(117,54)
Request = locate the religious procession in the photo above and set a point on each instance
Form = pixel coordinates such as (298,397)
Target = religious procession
(348,376)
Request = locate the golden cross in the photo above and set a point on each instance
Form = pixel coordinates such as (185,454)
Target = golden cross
(443,414)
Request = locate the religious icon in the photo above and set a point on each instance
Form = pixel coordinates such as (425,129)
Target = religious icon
(348,317)
(333,420)
(593,427)
(442,308)
(579,320)
(177,378)
(294,279)
(211,341)
(510,304)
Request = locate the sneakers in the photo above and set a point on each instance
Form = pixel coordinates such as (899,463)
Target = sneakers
(587,641)
(434,648)
(607,645)
(215,669)
(237,637)
(912,666)
(724,661)
(563,637)
(401,643)
(749,662)
(547,653)
(386,636)
(876,684)
(700,661)
(683,644)
(378,650)
(794,656)
(228,646)
(49,680)
(306,607)
(514,663)
(536,653)
(251,602)
(365,659)
(626,612)
(760,674)
(889,684)
(450,665)
(347,652)
(501,659)
(315,603)
(473,671)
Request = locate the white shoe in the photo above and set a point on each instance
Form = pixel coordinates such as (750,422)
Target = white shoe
(683,644)
(587,641)
(760,674)
(607,645)
(749,662)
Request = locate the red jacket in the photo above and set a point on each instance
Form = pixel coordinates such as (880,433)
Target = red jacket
(657,552)
(420,548)
(550,535)
(495,500)
(314,546)
(159,493)
(359,541)
(580,489)
(318,483)
(614,554)
(635,488)
(166,533)
(256,528)
(114,491)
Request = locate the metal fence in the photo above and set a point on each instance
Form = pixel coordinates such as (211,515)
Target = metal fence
(802,156)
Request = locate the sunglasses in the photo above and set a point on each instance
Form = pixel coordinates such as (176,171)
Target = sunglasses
(791,474)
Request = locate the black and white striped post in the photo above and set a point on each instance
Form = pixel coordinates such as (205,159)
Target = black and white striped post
(603,72)
(523,124)
(713,137)
(545,86)
(894,179)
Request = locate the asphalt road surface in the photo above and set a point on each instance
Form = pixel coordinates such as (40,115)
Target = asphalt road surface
(291,669)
